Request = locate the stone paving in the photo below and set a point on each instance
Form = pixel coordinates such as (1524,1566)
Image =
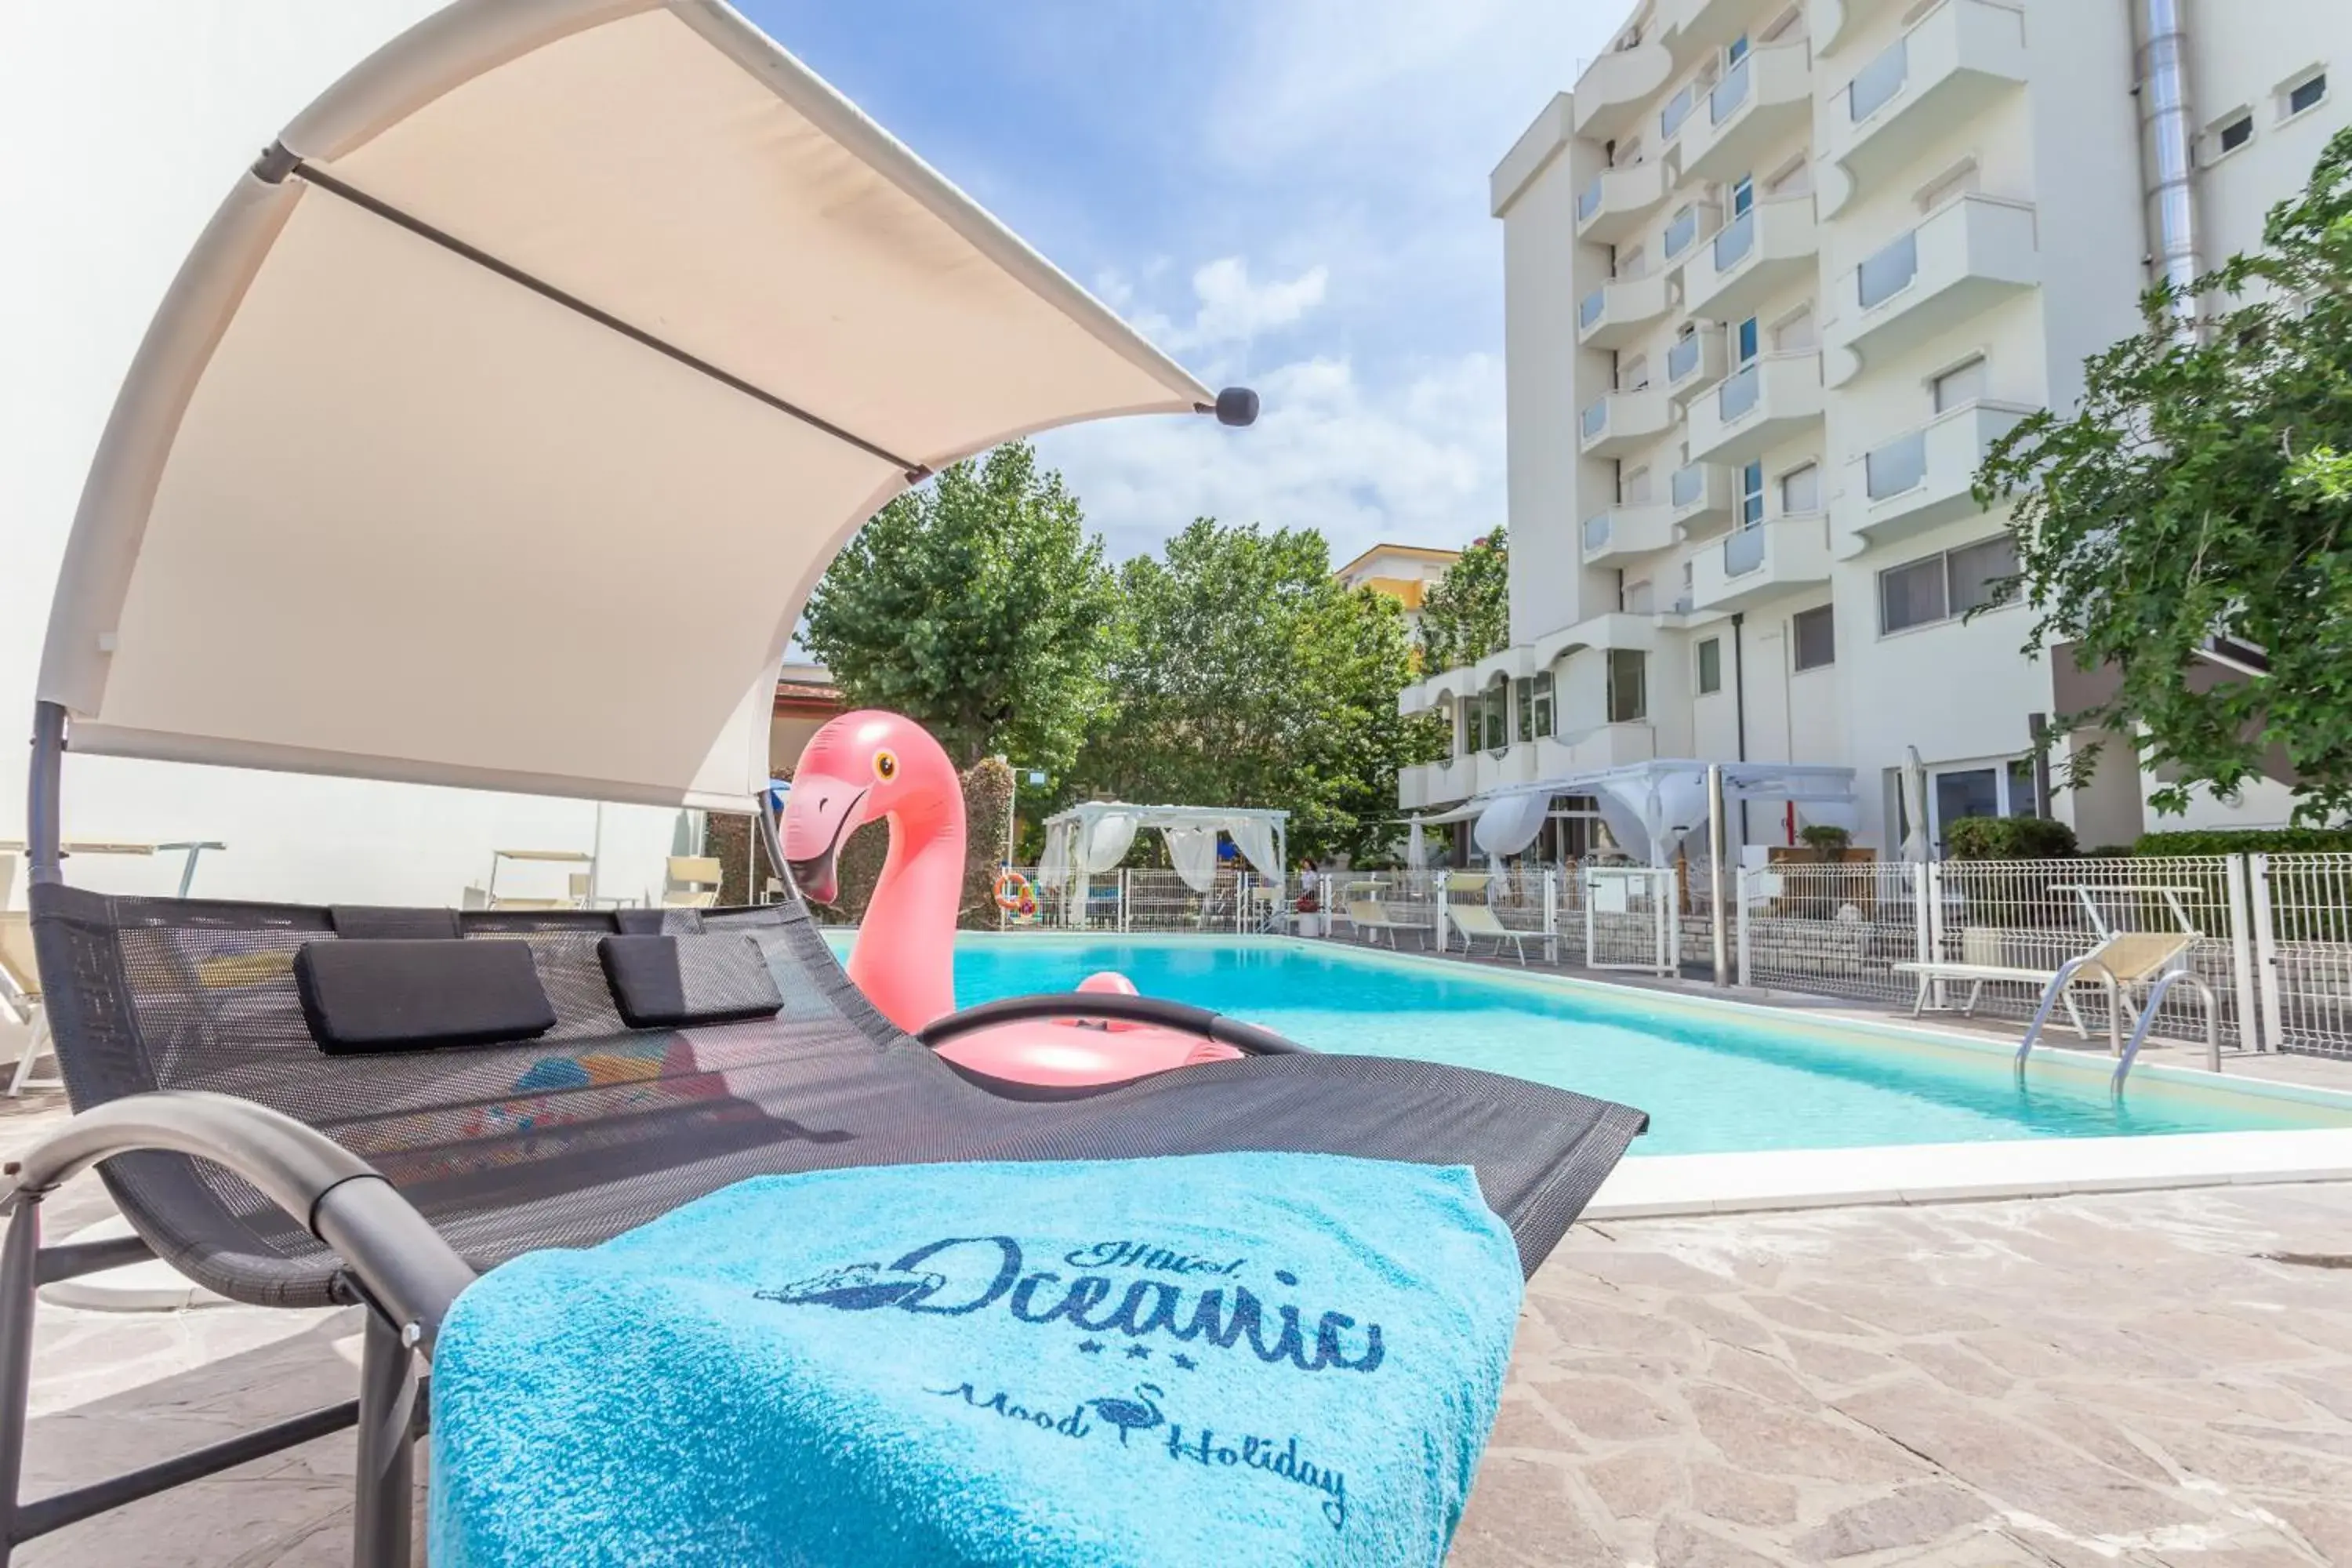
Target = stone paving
(2147,1379)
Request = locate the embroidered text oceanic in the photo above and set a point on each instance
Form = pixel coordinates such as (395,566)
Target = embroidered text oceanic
(960,1275)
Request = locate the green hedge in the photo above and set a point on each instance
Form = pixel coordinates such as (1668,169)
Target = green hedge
(2248,841)
(2008,839)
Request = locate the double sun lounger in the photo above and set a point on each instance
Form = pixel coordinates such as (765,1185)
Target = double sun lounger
(281,1174)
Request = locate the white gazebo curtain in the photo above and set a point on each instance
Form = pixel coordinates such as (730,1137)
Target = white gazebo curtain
(1192,850)
(1254,837)
(1108,841)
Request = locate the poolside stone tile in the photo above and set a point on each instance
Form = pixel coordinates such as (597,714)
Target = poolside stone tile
(1741,1497)
(1929,1512)
(1682,1542)
(1638,1484)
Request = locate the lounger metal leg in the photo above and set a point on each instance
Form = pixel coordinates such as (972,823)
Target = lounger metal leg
(18,1254)
(2082,1030)
(23,1079)
(381,1522)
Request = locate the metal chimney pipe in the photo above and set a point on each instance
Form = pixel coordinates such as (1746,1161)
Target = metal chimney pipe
(2166,143)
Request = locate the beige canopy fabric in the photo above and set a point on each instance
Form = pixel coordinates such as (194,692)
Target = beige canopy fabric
(501,422)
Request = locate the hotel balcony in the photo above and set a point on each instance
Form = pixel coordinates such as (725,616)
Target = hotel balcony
(1613,208)
(1623,532)
(1922,476)
(1437,784)
(1974,254)
(1946,69)
(1593,750)
(1624,422)
(1770,247)
(1767,95)
(1753,565)
(1694,362)
(1699,500)
(1757,407)
(1695,27)
(1678,244)
(1619,312)
(1609,94)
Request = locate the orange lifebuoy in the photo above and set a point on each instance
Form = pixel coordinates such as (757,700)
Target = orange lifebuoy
(1014,894)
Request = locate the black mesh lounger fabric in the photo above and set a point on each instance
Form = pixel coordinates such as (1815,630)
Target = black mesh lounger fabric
(593,1128)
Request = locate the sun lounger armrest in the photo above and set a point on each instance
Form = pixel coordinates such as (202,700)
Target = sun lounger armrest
(396,1259)
(1248,1038)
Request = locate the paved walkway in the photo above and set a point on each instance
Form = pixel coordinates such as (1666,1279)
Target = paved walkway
(2144,1379)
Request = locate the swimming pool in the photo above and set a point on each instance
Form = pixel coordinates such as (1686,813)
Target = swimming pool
(1713,1078)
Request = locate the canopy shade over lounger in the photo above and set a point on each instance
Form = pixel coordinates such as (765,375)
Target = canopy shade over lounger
(543,305)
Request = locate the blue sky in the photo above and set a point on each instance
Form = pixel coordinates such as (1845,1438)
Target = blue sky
(1292,194)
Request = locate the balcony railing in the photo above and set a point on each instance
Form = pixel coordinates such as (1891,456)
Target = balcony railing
(1744,551)
(1588,200)
(1682,359)
(1879,80)
(1677,110)
(1596,532)
(1689,484)
(1595,419)
(1588,308)
(1729,94)
(1736,240)
(1737,395)
(1681,232)
(1889,273)
(1899,466)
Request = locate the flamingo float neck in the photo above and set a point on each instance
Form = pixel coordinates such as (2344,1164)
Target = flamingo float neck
(866,766)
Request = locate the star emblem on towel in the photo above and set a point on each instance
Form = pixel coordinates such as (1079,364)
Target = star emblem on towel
(1090,1347)
(1139,1352)
(1181,1359)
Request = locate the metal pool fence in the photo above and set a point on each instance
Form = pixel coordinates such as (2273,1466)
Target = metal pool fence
(2270,935)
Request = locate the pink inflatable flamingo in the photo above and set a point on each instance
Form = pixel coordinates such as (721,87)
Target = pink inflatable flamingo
(871,765)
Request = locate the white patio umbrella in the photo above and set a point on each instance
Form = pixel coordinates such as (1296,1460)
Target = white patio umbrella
(1917,844)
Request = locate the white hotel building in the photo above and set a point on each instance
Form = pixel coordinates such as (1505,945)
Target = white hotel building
(1775,275)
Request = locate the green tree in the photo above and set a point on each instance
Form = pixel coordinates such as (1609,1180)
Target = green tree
(1246,675)
(1467,613)
(2203,488)
(977,605)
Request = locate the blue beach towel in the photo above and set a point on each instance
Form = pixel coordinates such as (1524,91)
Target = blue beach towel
(1240,1358)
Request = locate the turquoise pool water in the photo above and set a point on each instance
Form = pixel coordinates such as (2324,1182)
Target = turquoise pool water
(1713,1079)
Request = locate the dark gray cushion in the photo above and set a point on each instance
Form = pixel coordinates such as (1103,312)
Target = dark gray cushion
(400,995)
(671,981)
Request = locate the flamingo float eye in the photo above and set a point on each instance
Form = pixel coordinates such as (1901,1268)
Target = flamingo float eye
(886,766)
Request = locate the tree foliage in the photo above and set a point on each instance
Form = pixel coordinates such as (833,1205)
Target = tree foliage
(1246,675)
(2203,488)
(1467,613)
(977,605)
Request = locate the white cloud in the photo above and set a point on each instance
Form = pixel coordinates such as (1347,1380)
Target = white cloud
(1420,462)
(1228,311)
(1234,310)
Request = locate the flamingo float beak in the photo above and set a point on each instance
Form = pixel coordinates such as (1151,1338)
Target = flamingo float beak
(818,814)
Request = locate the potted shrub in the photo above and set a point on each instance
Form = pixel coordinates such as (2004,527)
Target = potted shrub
(1828,841)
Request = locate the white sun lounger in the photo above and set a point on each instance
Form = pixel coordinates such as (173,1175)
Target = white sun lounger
(2135,958)
(1370,915)
(1475,920)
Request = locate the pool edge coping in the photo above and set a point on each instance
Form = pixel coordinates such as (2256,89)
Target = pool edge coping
(1660,1186)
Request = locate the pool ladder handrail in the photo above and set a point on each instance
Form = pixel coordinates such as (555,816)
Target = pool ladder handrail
(2057,988)
(2165,983)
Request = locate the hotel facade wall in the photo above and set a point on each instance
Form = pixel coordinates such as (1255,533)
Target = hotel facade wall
(2010,152)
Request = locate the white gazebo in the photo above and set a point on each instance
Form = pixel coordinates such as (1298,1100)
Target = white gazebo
(1092,837)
